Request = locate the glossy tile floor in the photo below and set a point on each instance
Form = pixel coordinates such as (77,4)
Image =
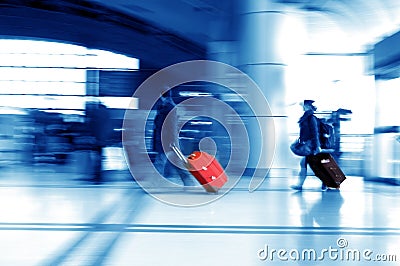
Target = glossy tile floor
(52,218)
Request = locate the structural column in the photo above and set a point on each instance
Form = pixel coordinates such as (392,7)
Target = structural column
(385,155)
(261,55)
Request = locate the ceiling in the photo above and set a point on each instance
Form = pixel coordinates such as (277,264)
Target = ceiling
(161,32)
(198,20)
(354,25)
(332,25)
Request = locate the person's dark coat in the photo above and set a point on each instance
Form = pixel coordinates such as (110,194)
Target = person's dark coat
(161,123)
(99,124)
(309,129)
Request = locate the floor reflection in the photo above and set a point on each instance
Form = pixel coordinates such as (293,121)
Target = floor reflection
(323,212)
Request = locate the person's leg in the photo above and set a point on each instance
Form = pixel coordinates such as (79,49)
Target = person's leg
(98,157)
(186,177)
(303,171)
(174,173)
(159,163)
(169,168)
(175,170)
(302,174)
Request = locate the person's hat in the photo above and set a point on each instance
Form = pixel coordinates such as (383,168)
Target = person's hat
(308,102)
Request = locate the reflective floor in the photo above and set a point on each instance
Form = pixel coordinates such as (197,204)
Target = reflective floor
(50,217)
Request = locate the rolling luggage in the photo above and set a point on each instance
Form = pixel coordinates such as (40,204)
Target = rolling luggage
(205,168)
(326,169)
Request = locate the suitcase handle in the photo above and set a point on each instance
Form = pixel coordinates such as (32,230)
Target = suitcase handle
(179,153)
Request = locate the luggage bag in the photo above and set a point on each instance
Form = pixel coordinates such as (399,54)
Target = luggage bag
(326,169)
(205,168)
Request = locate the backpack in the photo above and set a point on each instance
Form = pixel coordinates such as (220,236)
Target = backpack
(326,135)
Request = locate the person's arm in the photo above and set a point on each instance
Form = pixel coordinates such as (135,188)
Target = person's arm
(316,146)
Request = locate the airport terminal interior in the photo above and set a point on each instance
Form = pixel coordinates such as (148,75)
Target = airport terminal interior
(104,103)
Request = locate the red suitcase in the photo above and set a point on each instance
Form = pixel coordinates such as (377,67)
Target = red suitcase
(205,168)
(326,169)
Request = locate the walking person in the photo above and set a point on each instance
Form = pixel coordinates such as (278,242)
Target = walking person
(166,121)
(309,134)
(99,125)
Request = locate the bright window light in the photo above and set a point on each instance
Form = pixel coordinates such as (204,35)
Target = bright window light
(31,71)
(333,82)
(388,96)
(24,53)
(120,102)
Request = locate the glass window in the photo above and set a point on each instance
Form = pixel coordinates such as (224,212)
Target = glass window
(334,82)
(51,75)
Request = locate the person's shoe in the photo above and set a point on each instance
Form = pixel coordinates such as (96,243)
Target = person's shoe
(296,187)
(334,188)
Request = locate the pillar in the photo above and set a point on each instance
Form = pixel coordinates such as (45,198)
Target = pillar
(261,55)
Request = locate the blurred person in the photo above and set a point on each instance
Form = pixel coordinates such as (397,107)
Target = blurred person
(98,122)
(309,133)
(166,107)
